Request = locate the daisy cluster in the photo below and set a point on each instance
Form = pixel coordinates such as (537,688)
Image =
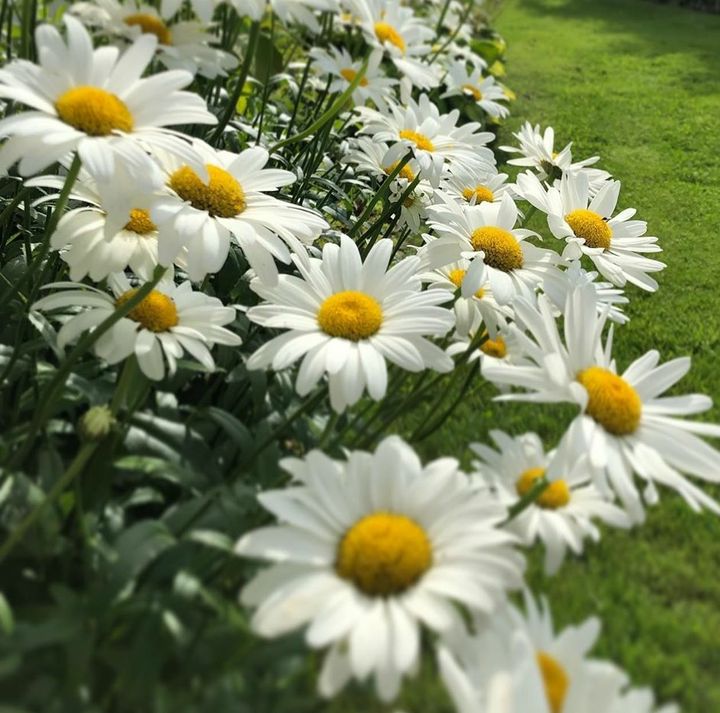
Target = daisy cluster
(252,229)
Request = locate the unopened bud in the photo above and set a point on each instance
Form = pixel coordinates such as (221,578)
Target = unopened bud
(96,423)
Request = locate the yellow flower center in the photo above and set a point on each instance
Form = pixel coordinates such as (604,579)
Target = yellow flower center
(140,222)
(350,315)
(385,32)
(457,276)
(612,402)
(406,172)
(556,494)
(350,75)
(222,197)
(502,250)
(151,25)
(93,111)
(157,312)
(384,554)
(420,140)
(477,94)
(555,679)
(590,226)
(479,193)
(494,348)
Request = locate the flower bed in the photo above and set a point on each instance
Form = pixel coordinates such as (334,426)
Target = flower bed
(209,339)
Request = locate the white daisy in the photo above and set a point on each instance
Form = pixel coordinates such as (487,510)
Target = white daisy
(184,44)
(486,235)
(537,670)
(171,320)
(374,85)
(111,232)
(472,312)
(484,91)
(95,102)
(614,244)
(379,160)
(610,299)
(438,143)
(469,186)
(347,317)
(625,426)
(401,34)
(562,515)
(371,550)
(537,151)
(202,216)
(640,700)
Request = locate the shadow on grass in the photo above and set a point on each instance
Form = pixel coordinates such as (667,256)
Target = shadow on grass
(644,28)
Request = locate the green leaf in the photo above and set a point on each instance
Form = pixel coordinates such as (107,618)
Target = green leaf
(137,547)
(7,622)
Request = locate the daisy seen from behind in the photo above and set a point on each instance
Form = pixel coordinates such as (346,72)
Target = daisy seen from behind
(346,317)
(370,551)
(202,216)
(616,244)
(562,515)
(171,320)
(95,102)
(537,150)
(626,426)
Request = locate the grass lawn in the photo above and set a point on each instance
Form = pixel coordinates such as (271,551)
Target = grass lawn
(636,83)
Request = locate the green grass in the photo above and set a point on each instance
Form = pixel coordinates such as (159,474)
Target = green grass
(636,83)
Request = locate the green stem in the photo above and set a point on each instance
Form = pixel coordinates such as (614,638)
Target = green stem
(53,389)
(538,488)
(307,405)
(380,194)
(49,228)
(423,431)
(242,77)
(62,483)
(330,114)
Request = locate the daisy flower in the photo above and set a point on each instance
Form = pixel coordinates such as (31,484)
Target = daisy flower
(537,151)
(181,45)
(614,244)
(379,160)
(469,186)
(94,102)
(374,85)
(472,312)
(536,669)
(484,91)
(435,138)
(347,317)
(111,232)
(640,700)
(486,235)
(171,320)
(396,29)
(626,426)
(609,299)
(201,215)
(371,550)
(562,516)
